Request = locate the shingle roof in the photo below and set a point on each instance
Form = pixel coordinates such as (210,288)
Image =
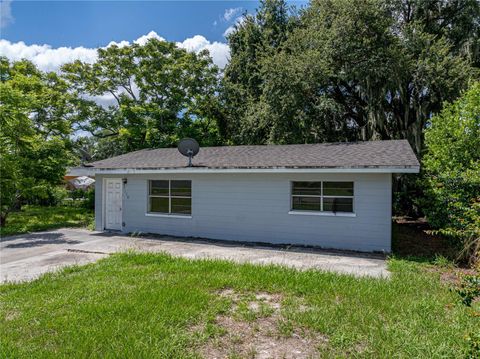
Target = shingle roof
(372,154)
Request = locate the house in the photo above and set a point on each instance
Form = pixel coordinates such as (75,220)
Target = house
(81,182)
(333,195)
(78,177)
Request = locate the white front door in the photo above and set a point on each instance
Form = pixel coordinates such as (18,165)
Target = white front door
(113,203)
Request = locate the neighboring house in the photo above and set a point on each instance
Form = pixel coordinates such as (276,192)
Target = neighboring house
(334,195)
(80,182)
(79,177)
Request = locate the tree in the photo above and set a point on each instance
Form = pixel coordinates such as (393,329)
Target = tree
(349,70)
(35,123)
(438,40)
(255,39)
(160,93)
(452,171)
(326,83)
(456,21)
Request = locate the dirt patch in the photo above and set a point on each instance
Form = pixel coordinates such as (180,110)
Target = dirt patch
(11,315)
(272,300)
(451,276)
(229,293)
(255,328)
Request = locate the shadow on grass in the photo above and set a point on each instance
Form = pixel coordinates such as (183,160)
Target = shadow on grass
(36,218)
(412,240)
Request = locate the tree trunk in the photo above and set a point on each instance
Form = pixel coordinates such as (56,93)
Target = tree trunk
(3,219)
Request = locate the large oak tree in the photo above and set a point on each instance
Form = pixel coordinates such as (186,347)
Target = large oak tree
(160,93)
(347,70)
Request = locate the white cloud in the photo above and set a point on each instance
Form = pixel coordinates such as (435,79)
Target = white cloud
(142,40)
(229,14)
(50,59)
(219,51)
(44,56)
(229,30)
(238,21)
(6,17)
(119,44)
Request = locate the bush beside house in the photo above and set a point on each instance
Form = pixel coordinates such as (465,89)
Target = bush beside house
(452,172)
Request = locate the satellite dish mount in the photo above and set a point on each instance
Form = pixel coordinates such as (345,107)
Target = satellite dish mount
(189,148)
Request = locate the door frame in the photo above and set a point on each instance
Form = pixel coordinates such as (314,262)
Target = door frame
(104,202)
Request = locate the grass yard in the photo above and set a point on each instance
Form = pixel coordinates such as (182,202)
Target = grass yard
(153,305)
(36,218)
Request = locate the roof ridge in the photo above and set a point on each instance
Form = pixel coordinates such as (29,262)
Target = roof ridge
(282,145)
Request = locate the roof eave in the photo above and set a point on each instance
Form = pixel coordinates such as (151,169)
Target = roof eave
(371,169)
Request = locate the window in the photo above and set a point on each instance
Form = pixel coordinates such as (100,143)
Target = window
(322,196)
(170,197)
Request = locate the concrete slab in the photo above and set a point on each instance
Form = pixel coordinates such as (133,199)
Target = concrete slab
(25,257)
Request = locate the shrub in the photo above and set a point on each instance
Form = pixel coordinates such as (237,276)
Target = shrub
(469,288)
(46,196)
(81,198)
(452,172)
(77,193)
(473,346)
(89,202)
(57,195)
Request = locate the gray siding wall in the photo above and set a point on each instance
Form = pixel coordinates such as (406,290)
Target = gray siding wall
(254,207)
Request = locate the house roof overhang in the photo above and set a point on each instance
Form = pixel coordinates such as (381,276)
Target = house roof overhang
(89,171)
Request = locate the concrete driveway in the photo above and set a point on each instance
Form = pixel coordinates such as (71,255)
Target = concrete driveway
(25,257)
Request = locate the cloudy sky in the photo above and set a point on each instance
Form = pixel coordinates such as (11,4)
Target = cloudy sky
(51,33)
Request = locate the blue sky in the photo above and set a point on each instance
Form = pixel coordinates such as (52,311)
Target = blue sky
(96,23)
(51,33)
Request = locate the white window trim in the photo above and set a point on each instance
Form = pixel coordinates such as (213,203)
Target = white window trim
(148,213)
(166,215)
(325,214)
(322,196)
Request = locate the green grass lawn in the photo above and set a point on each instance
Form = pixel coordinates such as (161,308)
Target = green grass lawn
(36,218)
(156,306)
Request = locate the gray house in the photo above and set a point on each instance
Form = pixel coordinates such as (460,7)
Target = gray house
(335,195)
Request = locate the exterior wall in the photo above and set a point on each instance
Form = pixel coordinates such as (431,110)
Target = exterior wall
(254,207)
(99,203)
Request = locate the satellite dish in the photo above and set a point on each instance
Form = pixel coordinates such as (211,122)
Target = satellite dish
(189,148)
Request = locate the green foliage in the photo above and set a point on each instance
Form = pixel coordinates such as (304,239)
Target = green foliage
(452,171)
(35,124)
(456,21)
(39,218)
(257,38)
(86,198)
(161,93)
(77,193)
(442,262)
(469,288)
(474,345)
(346,70)
(53,196)
(89,199)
